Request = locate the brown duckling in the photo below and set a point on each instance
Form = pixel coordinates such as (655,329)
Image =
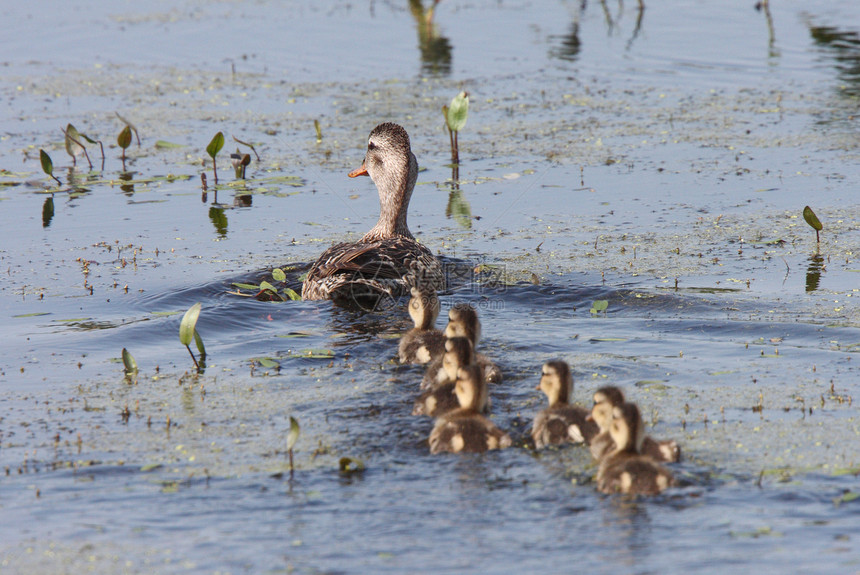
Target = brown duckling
(422,343)
(464,429)
(440,398)
(605,399)
(561,422)
(444,369)
(463,322)
(626,469)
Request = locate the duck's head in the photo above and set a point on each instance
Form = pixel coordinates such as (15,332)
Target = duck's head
(627,429)
(392,166)
(601,414)
(463,322)
(609,394)
(605,398)
(458,353)
(471,390)
(423,308)
(556,382)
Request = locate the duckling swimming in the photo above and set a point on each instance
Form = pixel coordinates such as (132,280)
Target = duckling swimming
(464,429)
(458,353)
(561,422)
(387,260)
(422,343)
(463,322)
(625,469)
(440,398)
(605,399)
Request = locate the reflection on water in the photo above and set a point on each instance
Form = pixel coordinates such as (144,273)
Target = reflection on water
(813,271)
(128,187)
(219,220)
(47,211)
(632,530)
(571,45)
(435,48)
(844,46)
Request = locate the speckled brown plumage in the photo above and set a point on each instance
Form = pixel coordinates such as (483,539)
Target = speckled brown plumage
(387,261)
(464,429)
(560,422)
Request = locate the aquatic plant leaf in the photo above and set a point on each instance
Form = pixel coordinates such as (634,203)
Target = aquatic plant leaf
(458,111)
(47,163)
(189,321)
(73,137)
(293,435)
(278,275)
(215,145)
(318,129)
(292,294)
(264,285)
(130,126)
(269,363)
(246,286)
(198,341)
(165,313)
(846,497)
(314,353)
(812,219)
(128,361)
(150,467)
(87,138)
(599,305)
(124,138)
(350,465)
(164,144)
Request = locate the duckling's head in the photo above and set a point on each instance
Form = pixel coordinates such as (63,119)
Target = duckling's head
(458,353)
(470,388)
(609,394)
(423,308)
(463,322)
(556,382)
(627,429)
(601,414)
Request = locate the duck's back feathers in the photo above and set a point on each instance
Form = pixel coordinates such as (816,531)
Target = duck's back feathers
(436,401)
(466,432)
(633,474)
(364,273)
(563,423)
(666,450)
(492,372)
(601,445)
(421,346)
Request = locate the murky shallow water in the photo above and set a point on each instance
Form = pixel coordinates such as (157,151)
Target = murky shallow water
(662,167)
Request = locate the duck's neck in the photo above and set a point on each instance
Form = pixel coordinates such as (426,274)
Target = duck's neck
(395,190)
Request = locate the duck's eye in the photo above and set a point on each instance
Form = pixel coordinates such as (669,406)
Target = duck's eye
(371,146)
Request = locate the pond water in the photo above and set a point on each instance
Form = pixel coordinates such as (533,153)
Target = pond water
(655,155)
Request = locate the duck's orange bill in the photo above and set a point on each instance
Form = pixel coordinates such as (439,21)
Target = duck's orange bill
(362,171)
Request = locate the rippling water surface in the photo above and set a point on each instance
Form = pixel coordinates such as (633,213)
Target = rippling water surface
(657,156)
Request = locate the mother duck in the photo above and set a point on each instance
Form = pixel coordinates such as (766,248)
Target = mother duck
(387,261)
